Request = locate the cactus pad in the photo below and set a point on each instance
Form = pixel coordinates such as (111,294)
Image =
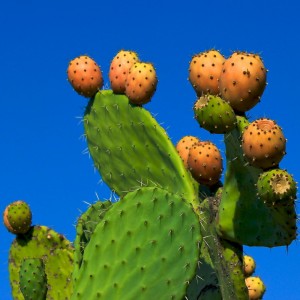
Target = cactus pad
(56,252)
(146,247)
(130,149)
(33,281)
(85,227)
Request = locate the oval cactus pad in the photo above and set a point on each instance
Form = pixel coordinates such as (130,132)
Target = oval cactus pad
(146,247)
(130,149)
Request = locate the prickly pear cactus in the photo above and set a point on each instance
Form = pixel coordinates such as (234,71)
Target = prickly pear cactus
(56,255)
(177,231)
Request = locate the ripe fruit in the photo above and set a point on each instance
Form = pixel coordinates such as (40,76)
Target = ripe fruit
(205,163)
(243,80)
(214,114)
(263,143)
(276,186)
(183,147)
(119,69)
(141,83)
(85,76)
(256,288)
(204,72)
(248,265)
(17,217)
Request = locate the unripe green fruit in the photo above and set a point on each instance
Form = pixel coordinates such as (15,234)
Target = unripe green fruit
(214,114)
(17,217)
(276,186)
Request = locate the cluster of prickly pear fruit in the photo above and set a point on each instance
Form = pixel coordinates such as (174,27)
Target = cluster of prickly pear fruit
(176,231)
(255,285)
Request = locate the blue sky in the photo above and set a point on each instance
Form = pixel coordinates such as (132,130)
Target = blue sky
(41,153)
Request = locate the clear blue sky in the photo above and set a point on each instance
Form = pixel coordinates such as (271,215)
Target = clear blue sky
(41,153)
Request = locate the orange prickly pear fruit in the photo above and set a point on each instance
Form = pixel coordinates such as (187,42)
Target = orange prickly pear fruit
(85,76)
(141,83)
(256,288)
(248,265)
(183,147)
(205,163)
(119,69)
(242,80)
(263,143)
(204,72)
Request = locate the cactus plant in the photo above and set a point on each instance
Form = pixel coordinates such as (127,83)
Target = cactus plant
(177,231)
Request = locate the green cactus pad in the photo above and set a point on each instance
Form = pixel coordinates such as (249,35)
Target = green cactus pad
(56,253)
(227,257)
(277,187)
(33,281)
(131,150)
(17,217)
(214,114)
(205,278)
(243,217)
(211,293)
(85,227)
(146,247)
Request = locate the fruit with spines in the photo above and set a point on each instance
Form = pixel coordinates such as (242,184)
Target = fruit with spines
(249,265)
(33,279)
(277,187)
(183,147)
(141,83)
(243,80)
(256,287)
(263,143)
(85,76)
(17,217)
(119,69)
(205,163)
(214,114)
(204,72)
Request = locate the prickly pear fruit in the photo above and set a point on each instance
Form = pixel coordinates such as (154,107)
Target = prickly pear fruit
(205,163)
(33,279)
(17,217)
(183,147)
(263,143)
(119,69)
(141,83)
(214,114)
(256,288)
(204,72)
(243,80)
(276,186)
(249,265)
(85,76)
